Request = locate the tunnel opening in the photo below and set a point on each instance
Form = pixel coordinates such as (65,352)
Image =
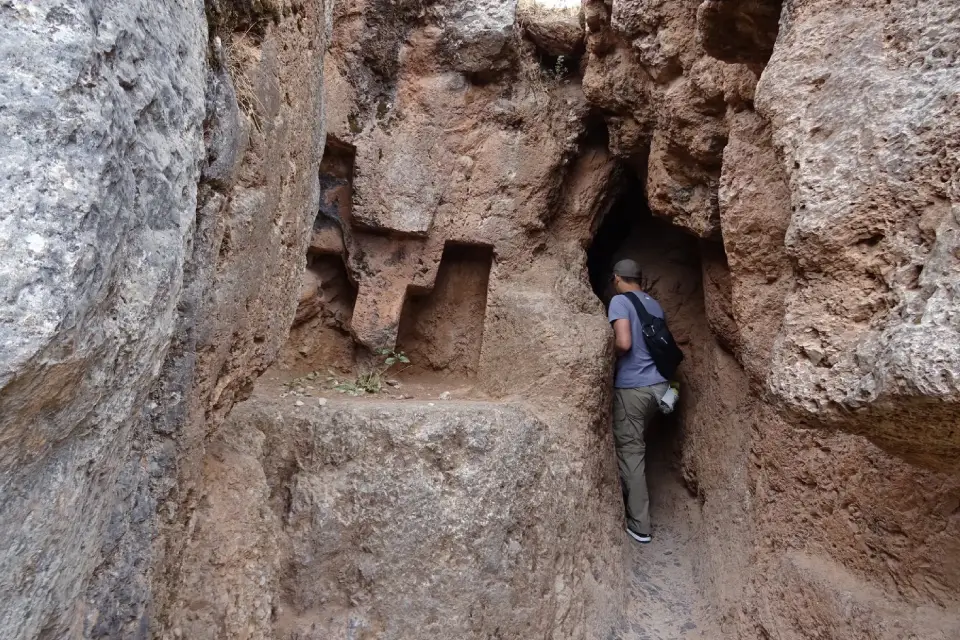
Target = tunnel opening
(671,273)
(669,257)
(629,210)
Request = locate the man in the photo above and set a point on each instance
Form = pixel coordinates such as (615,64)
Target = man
(638,387)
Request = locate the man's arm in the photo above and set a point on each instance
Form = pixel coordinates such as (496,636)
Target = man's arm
(622,338)
(619,317)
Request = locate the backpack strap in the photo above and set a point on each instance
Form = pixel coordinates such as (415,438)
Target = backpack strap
(645,316)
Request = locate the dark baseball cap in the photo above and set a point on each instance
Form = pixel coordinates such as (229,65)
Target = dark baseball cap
(626,268)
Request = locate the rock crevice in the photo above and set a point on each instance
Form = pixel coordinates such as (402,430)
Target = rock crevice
(194,193)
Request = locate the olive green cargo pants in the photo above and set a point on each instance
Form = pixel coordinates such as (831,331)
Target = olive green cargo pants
(633,412)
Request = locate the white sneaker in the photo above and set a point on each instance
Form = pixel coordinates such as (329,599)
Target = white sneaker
(639,537)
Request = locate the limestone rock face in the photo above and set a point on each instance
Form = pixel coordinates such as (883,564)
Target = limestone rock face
(169,169)
(431,171)
(101,110)
(440,160)
(667,101)
(754,200)
(837,203)
(839,228)
(163,174)
(387,519)
(865,504)
(248,257)
(863,112)
(477,34)
(806,512)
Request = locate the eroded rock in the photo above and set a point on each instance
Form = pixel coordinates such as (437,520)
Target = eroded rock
(478,33)
(137,220)
(738,30)
(754,216)
(556,27)
(101,113)
(669,100)
(863,110)
(336,518)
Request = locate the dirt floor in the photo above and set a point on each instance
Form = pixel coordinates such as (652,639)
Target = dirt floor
(395,385)
(664,601)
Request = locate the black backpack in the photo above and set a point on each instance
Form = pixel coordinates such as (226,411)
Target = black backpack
(663,348)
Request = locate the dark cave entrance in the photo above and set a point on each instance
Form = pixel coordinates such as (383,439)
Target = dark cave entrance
(670,260)
(669,256)
(629,211)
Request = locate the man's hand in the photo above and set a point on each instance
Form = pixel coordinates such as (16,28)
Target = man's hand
(622,339)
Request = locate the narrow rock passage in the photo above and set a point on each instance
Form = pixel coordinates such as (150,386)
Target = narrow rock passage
(664,602)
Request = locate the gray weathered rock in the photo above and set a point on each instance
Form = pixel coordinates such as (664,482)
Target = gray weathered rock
(401,520)
(863,105)
(101,105)
(477,34)
(401,179)
(248,255)
(556,27)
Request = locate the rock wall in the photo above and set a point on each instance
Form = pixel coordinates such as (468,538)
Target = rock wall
(167,183)
(476,164)
(381,519)
(259,205)
(162,174)
(836,207)
(863,113)
(792,520)
(666,100)
(102,111)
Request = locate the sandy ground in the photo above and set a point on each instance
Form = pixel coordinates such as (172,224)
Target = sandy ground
(665,603)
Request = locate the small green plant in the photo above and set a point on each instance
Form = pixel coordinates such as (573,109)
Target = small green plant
(391,357)
(372,381)
(365,383)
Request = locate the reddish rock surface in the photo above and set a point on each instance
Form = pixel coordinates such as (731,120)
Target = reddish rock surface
(457,204)
(457,179)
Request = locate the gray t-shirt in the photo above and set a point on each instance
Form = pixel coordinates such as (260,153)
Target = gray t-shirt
(635,368)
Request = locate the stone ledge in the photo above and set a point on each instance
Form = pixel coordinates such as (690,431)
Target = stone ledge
(404,519)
